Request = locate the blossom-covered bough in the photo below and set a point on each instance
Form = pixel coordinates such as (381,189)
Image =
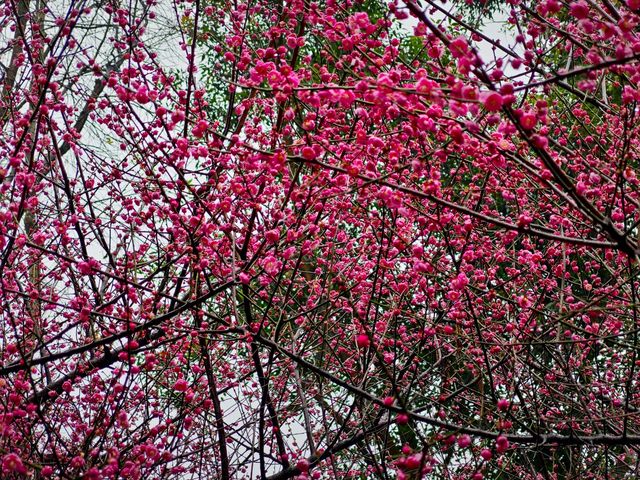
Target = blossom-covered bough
(269,239)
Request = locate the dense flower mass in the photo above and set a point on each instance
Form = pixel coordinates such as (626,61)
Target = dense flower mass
(319,239)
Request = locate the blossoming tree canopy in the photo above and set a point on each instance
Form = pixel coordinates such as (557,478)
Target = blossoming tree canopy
(298,239)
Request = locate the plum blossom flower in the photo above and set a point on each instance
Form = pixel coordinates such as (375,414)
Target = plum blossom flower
(12,463)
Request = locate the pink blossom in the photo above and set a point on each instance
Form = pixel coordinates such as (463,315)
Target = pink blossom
(308,153)
(492,101)
(459,47)
(12,463)
(502,444)
(402,419)
(181,385)
(460,282)
(580,9)
(88,267)
(362,340)
(303,465)
(142,95)
(464,441)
